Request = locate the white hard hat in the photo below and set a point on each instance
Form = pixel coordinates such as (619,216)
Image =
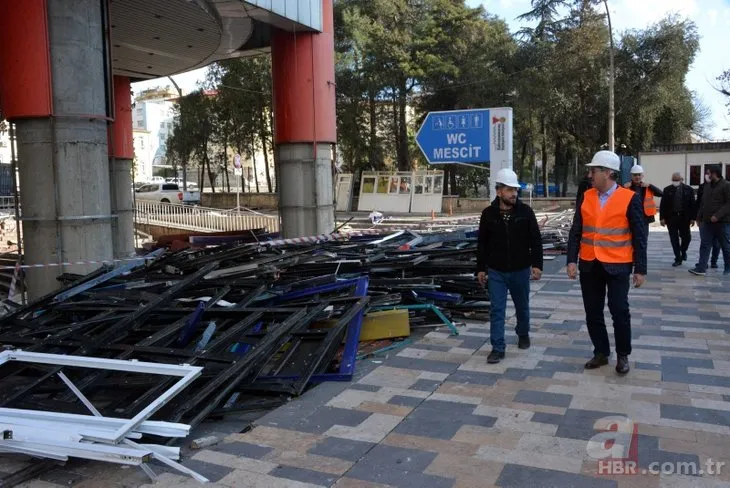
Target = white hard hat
(637,170)
(507,177)
(606,159)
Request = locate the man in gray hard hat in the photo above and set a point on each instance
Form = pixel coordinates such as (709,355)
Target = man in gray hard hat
(509,253)
(606,241)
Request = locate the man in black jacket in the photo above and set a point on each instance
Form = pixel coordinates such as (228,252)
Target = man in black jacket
(646,192)
(677,211)
(509,254)
(713,218)
(715,242)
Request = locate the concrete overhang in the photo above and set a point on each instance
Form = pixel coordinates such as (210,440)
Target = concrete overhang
(154,38)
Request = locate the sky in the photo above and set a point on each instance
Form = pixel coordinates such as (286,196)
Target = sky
(712,18)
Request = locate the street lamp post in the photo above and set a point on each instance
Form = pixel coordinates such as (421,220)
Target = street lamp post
(184,161)
(611,110)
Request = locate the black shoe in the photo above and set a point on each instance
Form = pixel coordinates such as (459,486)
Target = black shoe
(714,266)
(697,272)
(677,262)
(684,255)
(495,357)
(622,365)
(523,342)
(597,361)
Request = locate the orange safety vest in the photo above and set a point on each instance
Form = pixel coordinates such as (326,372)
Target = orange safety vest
(649,203)
(606,231)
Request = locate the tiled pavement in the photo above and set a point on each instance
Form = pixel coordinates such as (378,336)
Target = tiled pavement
(436,415)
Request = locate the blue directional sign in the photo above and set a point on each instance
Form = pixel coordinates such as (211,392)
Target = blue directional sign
(467,136)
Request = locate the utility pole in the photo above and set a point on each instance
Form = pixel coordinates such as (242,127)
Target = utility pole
(611,79)
(185,159)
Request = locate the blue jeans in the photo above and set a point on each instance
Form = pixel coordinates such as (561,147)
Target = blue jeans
(709,233)
(517,283)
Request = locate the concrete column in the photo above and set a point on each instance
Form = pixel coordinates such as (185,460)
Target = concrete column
(121,155)
(306,198)
(305,128)
(63,159)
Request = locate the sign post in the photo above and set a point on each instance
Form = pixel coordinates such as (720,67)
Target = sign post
(238,172)
(467,137)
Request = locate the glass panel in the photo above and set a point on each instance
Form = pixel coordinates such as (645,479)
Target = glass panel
(383,184)
(393,184)
(405,185)
(438,184)
(695,175)
(419,185)
(368,184)
(428,187)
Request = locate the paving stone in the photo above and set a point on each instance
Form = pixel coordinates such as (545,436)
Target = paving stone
(398,467)
(405,401)
(548,418)
(568,352)
(562,326)
(672,349)
(579,424)
(687,362)
(561,367)
(325,418)
(304,475)
(475,343)
(243,449)
(441,420)
(214,472)
(693,414)
(346,449)
(517,476)
(521,374)
(648,366)
(362,387)
(543,398)
(474,378)
(425,385)
(421,364)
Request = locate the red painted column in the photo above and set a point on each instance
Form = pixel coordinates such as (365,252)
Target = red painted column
(305,128)
(121,156)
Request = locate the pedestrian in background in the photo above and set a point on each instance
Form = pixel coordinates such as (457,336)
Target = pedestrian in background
(677,211)
(716,241)
(509,253)
(714,221)
(608,239)
(646,192)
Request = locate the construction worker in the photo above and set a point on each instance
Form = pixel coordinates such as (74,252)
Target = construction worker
(647,193)
(509,254)
(677,211)
(607,240)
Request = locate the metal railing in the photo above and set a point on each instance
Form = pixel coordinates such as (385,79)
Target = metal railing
(7,204)
(203,219)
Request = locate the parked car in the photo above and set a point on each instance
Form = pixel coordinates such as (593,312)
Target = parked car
(178,181)
(167,193)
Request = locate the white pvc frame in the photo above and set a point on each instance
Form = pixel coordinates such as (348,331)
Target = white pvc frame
(186,372)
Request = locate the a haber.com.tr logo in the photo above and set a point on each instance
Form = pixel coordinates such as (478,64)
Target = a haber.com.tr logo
(616,447)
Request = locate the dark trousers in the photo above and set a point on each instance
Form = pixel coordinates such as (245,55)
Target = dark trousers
(709,234)
(679,235)
(594,285)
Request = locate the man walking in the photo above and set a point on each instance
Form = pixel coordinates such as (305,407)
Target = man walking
(646,192)
(715,242)
(607,239)
(509,253)
(714,220)
(677,211)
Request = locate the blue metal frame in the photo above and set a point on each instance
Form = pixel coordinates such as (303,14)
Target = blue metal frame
(352,338)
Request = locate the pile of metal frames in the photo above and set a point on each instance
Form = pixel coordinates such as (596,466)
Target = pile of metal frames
(259,324)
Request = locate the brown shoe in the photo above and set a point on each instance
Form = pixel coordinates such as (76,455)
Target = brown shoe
(622,365)
(597,361)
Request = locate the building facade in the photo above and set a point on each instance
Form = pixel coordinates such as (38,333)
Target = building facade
(152,123)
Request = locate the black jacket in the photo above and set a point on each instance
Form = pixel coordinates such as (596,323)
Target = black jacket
(715,202)
(585,184)
(688,208)
(641,191)
(509,246)
(635,214)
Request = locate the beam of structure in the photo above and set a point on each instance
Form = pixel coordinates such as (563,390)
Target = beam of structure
(305,126)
